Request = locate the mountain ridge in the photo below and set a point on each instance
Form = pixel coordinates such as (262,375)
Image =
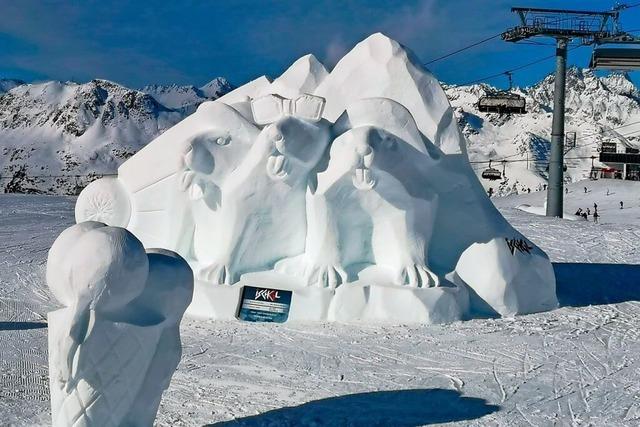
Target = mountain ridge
(68,128)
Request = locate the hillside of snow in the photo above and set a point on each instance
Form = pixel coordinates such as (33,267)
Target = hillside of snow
(577,365)
(52,131)
(597,109)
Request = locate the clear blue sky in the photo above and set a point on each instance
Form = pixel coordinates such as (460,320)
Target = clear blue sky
(137,42)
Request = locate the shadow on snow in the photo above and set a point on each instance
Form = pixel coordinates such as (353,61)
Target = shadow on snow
(582,284)
(21,326)
(402,408)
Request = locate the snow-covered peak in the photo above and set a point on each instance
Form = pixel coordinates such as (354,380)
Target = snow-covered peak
(174,96)
(216,88)
(7,84)
(187,96)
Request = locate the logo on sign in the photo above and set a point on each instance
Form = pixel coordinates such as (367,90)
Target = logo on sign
(267,294)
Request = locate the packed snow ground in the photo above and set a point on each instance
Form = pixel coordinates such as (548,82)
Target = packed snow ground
(578,365)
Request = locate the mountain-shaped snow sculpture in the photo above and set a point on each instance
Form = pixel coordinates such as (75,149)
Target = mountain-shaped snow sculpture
(357,197)
(380,67)
(115,344)
(303,76)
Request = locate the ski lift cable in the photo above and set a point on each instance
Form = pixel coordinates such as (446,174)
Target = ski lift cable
(462,49)
(493,76)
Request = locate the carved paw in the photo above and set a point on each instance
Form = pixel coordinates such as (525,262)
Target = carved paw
(326,276)
(218,274)
(315,274)
(417,276)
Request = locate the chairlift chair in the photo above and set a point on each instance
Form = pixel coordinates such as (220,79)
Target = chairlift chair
(492,174)
(502,102)
(615,58)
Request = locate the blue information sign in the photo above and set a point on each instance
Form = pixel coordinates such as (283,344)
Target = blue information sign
(264,305)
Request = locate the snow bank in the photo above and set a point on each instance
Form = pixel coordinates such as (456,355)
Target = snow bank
(350,188)
(510,275)
(115,344)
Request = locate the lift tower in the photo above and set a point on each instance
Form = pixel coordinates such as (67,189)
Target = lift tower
(564,25)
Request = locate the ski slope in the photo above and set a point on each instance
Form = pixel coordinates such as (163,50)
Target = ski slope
(578,365)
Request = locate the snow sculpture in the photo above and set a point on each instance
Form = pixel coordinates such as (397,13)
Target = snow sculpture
(115,344)
(262,215)
(380,67)
(367,208)
(349,188)
(105,200)
(510,275)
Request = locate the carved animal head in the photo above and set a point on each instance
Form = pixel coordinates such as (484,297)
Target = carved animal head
(367,153)
(212,154)
(293,147)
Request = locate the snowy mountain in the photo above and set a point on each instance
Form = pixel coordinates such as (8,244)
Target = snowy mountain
(597,108)
(59,129)
(7,84)
(188,97)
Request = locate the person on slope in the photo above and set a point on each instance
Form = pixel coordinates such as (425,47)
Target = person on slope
(585,216)
(579,212)
(621,205)
(595,216)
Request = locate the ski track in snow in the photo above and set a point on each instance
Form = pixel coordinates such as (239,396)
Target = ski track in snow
(571,366)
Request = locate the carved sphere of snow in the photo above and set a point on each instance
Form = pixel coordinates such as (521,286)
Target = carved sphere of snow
(104,200)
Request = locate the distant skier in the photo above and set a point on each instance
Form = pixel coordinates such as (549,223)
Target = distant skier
(490,192)
(595,206)
(585,216)
(621,205)
(595,216)
(607,191)
(588,211)
(585,190)
(544,187)
(566,190)
(579,212)
(529,190)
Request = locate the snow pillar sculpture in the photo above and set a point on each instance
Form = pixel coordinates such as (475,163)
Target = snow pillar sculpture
(115,344)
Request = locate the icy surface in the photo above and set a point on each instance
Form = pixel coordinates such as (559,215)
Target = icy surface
(575,365)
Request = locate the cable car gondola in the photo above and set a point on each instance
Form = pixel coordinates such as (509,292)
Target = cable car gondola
(503,102)
(492,174)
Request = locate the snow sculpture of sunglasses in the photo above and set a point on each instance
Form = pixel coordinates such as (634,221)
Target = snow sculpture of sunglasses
(270,108)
